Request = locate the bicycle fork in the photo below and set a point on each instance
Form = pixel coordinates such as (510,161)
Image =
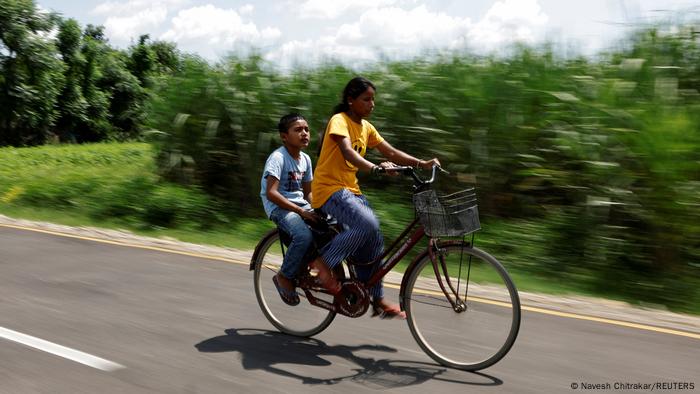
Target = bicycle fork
(437,258)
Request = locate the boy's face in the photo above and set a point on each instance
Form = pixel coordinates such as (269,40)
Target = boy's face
(297,134)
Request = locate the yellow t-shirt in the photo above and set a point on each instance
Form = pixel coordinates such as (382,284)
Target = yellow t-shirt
(333,172)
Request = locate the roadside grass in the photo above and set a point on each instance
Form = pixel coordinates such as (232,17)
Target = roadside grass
(115,186)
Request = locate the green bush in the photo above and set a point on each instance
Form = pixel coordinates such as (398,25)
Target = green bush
(104,181)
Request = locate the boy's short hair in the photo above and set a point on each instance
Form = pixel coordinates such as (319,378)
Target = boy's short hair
(287,120)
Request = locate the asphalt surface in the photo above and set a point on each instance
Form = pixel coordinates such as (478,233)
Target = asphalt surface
(168,323)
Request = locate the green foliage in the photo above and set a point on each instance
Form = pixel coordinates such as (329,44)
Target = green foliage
(126,95)
(31,74)
(103,182)
(142,61)
(73,107)
(74,88)
(208,123)
(602,158)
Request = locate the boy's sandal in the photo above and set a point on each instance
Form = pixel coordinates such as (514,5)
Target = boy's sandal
(290,297)
(390,312)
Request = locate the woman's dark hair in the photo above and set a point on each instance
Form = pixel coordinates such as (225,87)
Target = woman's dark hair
(287,120)
(353,89)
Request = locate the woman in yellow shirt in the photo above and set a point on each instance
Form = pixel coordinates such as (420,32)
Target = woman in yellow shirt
(336,191)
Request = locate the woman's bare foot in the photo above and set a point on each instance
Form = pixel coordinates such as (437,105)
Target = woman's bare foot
(385,310)
(325,276)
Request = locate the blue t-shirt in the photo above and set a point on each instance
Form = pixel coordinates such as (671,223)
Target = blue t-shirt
(291,174)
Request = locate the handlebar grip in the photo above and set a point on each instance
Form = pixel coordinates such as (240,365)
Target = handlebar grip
(401,169)
(406,170)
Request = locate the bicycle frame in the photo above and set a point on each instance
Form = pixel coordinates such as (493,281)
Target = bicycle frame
(410,242)
(407,245)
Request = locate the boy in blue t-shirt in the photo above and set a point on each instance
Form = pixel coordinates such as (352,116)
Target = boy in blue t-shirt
(285,190)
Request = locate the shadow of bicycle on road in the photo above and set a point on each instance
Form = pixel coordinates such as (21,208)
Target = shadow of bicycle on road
(272,351)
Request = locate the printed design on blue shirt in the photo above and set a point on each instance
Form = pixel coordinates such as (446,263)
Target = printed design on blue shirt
(294,180)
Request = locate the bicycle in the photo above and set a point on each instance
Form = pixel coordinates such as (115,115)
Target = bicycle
(461,305)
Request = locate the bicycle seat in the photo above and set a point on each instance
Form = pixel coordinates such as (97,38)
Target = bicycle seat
(323,230)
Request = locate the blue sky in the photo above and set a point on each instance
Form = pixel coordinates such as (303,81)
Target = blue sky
(306,31)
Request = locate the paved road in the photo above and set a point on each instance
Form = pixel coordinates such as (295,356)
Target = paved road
(168,323)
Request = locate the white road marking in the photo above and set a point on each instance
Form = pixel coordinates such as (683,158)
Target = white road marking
(62,351)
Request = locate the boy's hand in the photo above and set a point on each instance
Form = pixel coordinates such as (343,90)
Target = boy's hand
(310,215)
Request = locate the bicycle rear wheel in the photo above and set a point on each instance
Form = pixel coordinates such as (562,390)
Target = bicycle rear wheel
(484,331)
(303,320)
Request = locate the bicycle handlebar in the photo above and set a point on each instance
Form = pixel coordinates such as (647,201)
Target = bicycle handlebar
(406,170)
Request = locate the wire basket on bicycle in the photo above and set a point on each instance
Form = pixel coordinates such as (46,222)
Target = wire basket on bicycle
(450,215)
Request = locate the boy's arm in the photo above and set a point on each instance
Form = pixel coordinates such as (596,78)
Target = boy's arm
(307,191)
(278,199)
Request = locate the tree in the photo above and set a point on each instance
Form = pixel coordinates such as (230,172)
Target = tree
(126,96)
(167,57)
(95,50)
(72,106)
(32,74)
(142,61)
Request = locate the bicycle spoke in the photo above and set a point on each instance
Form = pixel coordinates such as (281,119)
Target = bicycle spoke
(303,319)
(439,302)
(471,338)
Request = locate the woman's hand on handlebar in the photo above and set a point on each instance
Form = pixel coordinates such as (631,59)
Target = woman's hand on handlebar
(429,164)
(387,166)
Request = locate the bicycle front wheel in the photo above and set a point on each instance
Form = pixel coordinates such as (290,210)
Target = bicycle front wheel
(481,328)
(304,319)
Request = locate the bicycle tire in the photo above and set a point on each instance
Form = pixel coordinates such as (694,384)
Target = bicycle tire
(473,339)
(303,320)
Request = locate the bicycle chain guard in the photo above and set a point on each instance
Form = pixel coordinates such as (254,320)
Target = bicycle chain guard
(353,300)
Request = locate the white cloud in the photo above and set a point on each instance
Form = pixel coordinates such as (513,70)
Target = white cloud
(199,27)
(131,7)
(127,20)
(363,30)
(398,28)
(122,28)
(316,51)
(389,31)
(331,9)
(401,33)
(246,9)
(508,21)
(206,30)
